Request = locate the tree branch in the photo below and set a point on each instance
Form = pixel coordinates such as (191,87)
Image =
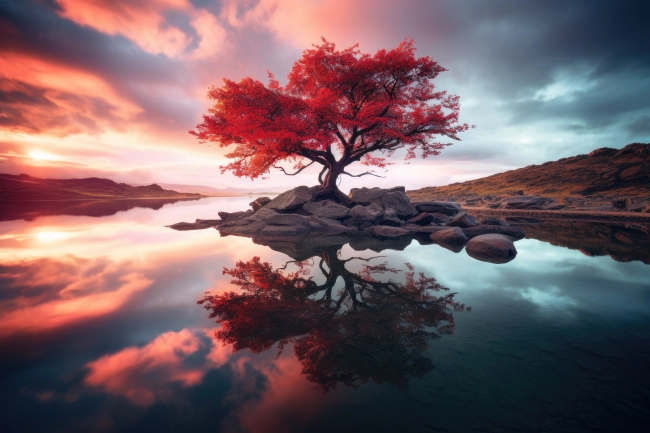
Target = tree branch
(293,174)
(367,173)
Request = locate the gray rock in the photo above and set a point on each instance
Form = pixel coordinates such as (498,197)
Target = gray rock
(424,230)
(327,209)
(494,222)
(514,232)
(361,214)
(524,202)
(210,223)
(365,196)
(439,218)
(390,218)
(292,199)
(397,188)
(183,226)
(443,207)
(400,203)
(281,231)
(259,203)
(449,236)
(423,219)
(463,220)
(229,217)
(388,232)
(329,227)
(492,248)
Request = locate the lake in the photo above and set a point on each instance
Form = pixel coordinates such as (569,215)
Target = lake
(102,329)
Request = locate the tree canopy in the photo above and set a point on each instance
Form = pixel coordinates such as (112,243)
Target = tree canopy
(365,106)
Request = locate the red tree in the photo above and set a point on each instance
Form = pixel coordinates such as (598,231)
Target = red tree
(367,106)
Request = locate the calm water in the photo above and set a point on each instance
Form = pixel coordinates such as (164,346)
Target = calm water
(100,329)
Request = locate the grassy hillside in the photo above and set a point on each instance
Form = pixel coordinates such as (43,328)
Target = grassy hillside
(24,187)
(606,172)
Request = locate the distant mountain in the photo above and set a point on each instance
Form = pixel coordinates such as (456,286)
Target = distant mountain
(606,177)
(25,187)
(210,191)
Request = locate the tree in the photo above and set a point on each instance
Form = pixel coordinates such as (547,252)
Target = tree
(366,107)
(367,330)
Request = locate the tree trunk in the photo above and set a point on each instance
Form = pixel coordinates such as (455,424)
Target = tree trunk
(329,188)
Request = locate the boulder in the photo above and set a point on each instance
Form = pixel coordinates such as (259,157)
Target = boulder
(449,236)
(280,225)
(442,207)
(183,226)
(439,218)
(514,232)
(524,202)
(327,209)
(494,222)
(492,248)
(259,203)
(423,219)
(361,214)
(292,199)
(388,232)
(400,203)
(463,220)
(329,227)
(390,218)
(365,196)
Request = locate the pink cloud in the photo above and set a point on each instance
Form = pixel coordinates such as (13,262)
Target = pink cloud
(147,374)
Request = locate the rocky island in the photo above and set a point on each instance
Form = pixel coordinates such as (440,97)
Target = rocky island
(381,214)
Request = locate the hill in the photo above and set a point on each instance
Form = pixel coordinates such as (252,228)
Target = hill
(24,187)
(605,179)
(212,192)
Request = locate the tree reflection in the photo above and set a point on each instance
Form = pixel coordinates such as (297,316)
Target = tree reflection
(366,330)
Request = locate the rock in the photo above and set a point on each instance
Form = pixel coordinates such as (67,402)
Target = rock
(439,218)
(449,236)
(423,230)
(390,218)
(423,219)
(514,232)
(361,214)
(329,227)
(210,223)
(646,209)
(397,189)
(524,202)
(183,226)
(365,196)
(442,207)
(229,217)
(400,203)
(292,199)
(280,225)
(463,220)
(492,248)
(494,222)
(555,207)
(259,203)
(388,232)
(327,209)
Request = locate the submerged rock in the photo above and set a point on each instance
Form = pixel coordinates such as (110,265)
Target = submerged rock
(492,248)
(494,222)
(449,236)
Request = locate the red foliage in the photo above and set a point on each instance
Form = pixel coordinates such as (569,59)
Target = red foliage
(361,104)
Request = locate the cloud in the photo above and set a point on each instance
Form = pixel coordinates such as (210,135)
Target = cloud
(44,294)
(149,373)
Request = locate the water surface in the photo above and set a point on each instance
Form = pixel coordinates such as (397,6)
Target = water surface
(100,329)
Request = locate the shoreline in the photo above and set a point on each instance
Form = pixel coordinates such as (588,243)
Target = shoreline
(578,215)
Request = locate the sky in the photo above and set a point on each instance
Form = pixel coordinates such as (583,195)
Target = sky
(111,88)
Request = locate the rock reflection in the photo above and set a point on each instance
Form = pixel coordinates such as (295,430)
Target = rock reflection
(367,329)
